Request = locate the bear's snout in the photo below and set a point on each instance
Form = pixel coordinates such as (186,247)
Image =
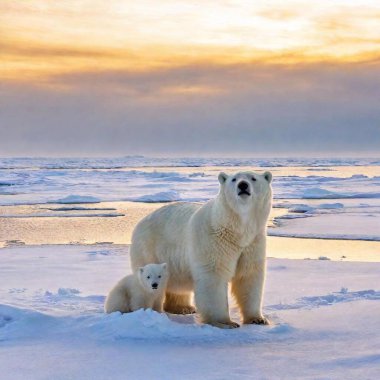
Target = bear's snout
(155,285)
(243,187)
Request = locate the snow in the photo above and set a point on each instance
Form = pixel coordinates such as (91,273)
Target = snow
(82,209)
(41,180)
(67,215)
(325,323)
(344,192)
(163,196)
(73,199)
(320,193)
(348,219)
(331,205)
(328,226)
(325,314)
(316,164)
(324,187)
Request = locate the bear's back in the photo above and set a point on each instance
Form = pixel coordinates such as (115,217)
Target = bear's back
(170,220)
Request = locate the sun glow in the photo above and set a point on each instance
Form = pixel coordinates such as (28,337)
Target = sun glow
(40,39)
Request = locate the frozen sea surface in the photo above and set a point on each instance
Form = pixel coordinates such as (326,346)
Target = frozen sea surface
(318,164)
(326,198)
(26,181)
(325,323)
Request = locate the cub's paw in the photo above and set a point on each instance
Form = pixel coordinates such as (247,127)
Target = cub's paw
(225,324)
(260,320)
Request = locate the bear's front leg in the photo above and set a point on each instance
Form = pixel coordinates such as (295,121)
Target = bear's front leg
(248,291)
(211,299)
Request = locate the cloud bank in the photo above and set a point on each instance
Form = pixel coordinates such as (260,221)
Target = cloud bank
(241,109)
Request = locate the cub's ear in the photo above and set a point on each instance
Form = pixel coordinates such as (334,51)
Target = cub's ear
(268,176)
(141,270)
(222,178)
(164,266)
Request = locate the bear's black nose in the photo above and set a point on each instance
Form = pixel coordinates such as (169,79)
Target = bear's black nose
(154,286)
(243,186)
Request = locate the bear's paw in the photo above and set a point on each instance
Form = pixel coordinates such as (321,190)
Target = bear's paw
(260,320)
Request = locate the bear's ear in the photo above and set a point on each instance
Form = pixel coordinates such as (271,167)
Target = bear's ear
(141,270)
(222,178)
(268,176)
(164,266)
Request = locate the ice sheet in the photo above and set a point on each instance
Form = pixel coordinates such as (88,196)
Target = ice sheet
(141,179)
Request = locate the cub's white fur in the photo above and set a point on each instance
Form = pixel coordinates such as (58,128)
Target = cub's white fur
(211,245)
(142,290)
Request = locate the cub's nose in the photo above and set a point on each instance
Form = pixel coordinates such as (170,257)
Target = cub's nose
(155,285)
(243,186)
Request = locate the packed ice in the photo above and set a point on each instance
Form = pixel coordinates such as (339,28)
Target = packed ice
(314,191)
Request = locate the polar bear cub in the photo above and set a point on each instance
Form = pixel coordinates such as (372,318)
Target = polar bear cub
(142,290)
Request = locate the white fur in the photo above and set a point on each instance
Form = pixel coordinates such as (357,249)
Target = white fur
(136,291)
(209,246)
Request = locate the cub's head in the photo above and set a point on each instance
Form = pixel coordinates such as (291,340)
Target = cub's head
(153,277)
(245,189)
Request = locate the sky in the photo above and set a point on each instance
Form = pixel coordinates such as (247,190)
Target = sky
(107,77)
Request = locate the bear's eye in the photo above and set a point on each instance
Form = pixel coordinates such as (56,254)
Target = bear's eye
(159,276)
(253,179)
(148,277)
(234,180)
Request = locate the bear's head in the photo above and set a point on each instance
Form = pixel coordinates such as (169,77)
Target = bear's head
(153,277)
(243,191)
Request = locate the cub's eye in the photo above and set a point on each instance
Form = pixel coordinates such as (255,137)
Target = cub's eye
(233,180)
(148,277)
(159,276)
(253,179)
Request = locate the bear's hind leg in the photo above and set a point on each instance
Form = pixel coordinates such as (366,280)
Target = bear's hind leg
(117,300)
(178,304)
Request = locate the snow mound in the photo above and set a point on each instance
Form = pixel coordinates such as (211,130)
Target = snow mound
(332,206)
(149,325)
(101,252)
(146,325)
(73,199)
(320,193)
(300,208)
(164,196)
(18,323)
(141,325)
(67,291)
(79,208)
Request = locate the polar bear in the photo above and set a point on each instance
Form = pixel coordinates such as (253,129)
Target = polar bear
(211,245)
(142,290)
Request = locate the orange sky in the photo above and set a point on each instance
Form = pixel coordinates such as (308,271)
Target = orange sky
(40,39)
(107,77)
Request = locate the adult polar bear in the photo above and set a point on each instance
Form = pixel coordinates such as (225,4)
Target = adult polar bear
(207,246)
